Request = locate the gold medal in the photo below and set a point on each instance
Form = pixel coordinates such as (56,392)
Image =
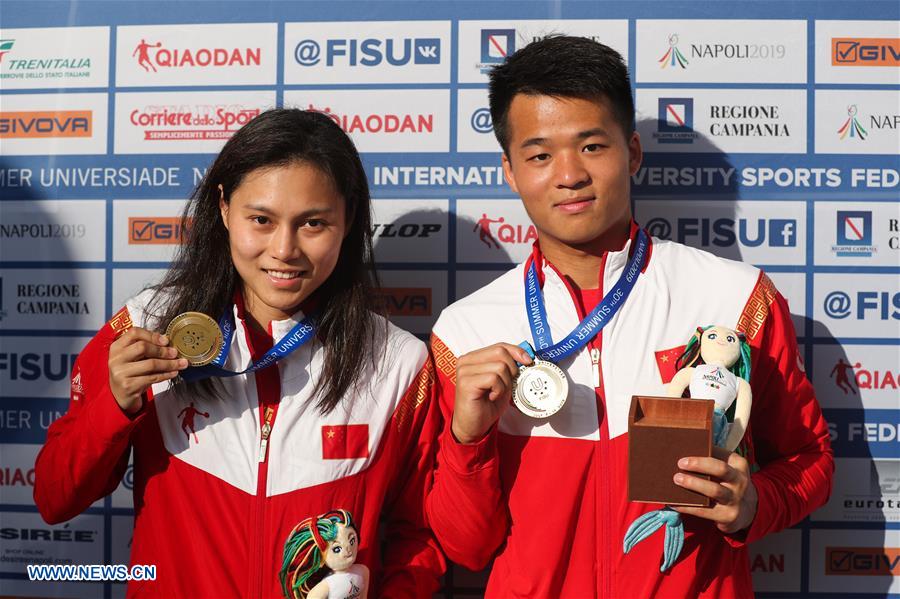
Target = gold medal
(540,389)
(196,336)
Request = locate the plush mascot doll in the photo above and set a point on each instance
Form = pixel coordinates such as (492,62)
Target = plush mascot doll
(715,365)
(319,557)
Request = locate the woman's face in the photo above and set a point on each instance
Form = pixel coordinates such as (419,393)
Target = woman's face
(720,346)
(285,228)
(341,552)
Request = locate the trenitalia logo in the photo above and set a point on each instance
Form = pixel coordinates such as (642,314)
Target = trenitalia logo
(45,124)
(152,55)
(862,561)
(5,47)
(405,301)
(865,52)
(156,230)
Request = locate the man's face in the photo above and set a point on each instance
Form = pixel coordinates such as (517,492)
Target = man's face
(571,163)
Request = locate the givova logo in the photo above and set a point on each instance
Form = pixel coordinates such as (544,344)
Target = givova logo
(368,52)
(865,52)
(862,561)
(168,230)
(854,234)
(42,124)
(46,123)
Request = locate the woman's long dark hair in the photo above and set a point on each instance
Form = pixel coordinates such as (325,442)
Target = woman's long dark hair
(202,277)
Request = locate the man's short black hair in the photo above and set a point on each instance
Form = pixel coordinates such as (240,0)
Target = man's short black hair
(562,67)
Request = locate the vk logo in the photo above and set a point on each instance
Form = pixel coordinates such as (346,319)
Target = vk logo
(428,51)
(369,52)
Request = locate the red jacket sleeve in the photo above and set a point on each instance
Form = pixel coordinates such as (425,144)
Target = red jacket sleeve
(790,439)
(466,508)
(86,452)
(413,562)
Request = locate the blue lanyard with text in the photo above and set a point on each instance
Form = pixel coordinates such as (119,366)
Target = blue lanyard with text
(302,332)
(598,318)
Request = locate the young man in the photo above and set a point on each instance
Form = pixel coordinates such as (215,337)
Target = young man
(547,497)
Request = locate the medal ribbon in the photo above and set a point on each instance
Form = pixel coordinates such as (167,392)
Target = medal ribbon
(302,332)
(598,318)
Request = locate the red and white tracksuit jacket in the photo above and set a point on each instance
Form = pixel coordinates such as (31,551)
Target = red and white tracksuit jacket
(210,512)
(548,497)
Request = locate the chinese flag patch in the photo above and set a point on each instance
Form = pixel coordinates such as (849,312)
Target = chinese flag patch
(665,360)
(345,441)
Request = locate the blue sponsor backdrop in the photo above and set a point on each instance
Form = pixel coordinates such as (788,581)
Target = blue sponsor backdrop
(771,133)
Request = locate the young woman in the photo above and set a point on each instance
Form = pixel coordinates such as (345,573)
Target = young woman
(333,413)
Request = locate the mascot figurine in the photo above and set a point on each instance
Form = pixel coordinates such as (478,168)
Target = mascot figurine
(319,557)
(715,365)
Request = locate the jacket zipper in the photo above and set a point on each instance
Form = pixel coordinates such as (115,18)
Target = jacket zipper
(601,490)
(602,462)
(595,367)
(268,411)
(268,390)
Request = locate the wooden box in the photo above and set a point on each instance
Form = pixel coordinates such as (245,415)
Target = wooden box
(662,430)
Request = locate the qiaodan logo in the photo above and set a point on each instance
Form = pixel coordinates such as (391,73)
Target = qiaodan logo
(152,55)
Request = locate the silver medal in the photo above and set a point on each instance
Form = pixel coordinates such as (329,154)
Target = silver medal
(540,389)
